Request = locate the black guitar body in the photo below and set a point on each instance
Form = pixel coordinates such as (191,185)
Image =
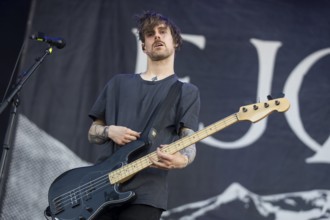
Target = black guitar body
(83,193)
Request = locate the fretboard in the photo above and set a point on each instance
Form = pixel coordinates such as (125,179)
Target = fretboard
(122,174)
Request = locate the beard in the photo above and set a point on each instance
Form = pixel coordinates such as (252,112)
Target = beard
(157,55)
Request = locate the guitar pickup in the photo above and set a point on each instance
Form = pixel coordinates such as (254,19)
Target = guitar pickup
(74,199)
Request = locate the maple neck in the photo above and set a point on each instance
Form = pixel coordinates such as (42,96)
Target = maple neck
(122,174)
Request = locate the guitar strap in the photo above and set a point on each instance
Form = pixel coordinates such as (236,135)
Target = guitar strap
(155,123)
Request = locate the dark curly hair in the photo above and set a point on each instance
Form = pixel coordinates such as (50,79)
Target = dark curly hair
(149,20)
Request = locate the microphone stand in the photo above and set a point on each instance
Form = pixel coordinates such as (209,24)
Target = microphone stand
(14,99)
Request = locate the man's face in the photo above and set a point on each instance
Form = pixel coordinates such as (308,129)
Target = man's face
(158,44)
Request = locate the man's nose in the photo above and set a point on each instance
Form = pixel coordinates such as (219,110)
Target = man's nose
(157,35)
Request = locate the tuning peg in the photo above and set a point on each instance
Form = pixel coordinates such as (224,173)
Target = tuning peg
(269,97)
(280,95)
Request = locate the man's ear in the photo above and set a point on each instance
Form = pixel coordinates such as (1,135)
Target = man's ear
(143,47)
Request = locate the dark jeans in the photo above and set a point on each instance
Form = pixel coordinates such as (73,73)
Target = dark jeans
(132,212)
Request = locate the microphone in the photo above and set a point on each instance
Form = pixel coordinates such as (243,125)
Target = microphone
(53,41)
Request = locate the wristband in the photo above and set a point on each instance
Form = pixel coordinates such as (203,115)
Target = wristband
(105,133)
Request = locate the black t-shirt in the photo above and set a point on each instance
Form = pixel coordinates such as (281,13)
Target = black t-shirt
(128,100)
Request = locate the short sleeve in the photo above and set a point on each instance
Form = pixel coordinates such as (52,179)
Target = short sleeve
(99,107)
(189,107)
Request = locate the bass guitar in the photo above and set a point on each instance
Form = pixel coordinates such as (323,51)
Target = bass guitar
(83,193)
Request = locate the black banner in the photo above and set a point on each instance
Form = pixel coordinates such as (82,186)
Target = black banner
(237,53)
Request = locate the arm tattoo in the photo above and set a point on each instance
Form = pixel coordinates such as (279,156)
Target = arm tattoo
(189,151)
(98,134)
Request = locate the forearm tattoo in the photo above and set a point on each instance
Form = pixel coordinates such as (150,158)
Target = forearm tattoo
(98,134)
(189,151)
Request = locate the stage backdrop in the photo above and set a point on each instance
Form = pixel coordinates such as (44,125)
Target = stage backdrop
(237,53)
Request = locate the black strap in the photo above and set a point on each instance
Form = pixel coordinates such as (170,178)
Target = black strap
(155,123)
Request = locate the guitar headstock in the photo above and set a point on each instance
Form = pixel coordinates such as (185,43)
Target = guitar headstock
(258,111)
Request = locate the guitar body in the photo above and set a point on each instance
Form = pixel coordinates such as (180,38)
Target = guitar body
(83,193)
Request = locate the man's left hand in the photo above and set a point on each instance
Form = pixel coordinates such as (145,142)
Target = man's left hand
(168,161)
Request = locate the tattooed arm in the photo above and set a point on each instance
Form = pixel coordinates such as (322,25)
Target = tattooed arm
(177,160)
(190,151)
(99,133)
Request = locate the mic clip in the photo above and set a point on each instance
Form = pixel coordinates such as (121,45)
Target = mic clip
(52,41)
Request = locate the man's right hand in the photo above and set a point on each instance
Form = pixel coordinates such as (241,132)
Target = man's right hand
(122,135)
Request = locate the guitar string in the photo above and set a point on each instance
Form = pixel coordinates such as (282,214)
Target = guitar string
(91,186)
(79,192)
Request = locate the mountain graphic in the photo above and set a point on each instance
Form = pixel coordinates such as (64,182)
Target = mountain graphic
(238,203)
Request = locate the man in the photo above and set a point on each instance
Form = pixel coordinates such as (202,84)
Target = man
(128,99)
